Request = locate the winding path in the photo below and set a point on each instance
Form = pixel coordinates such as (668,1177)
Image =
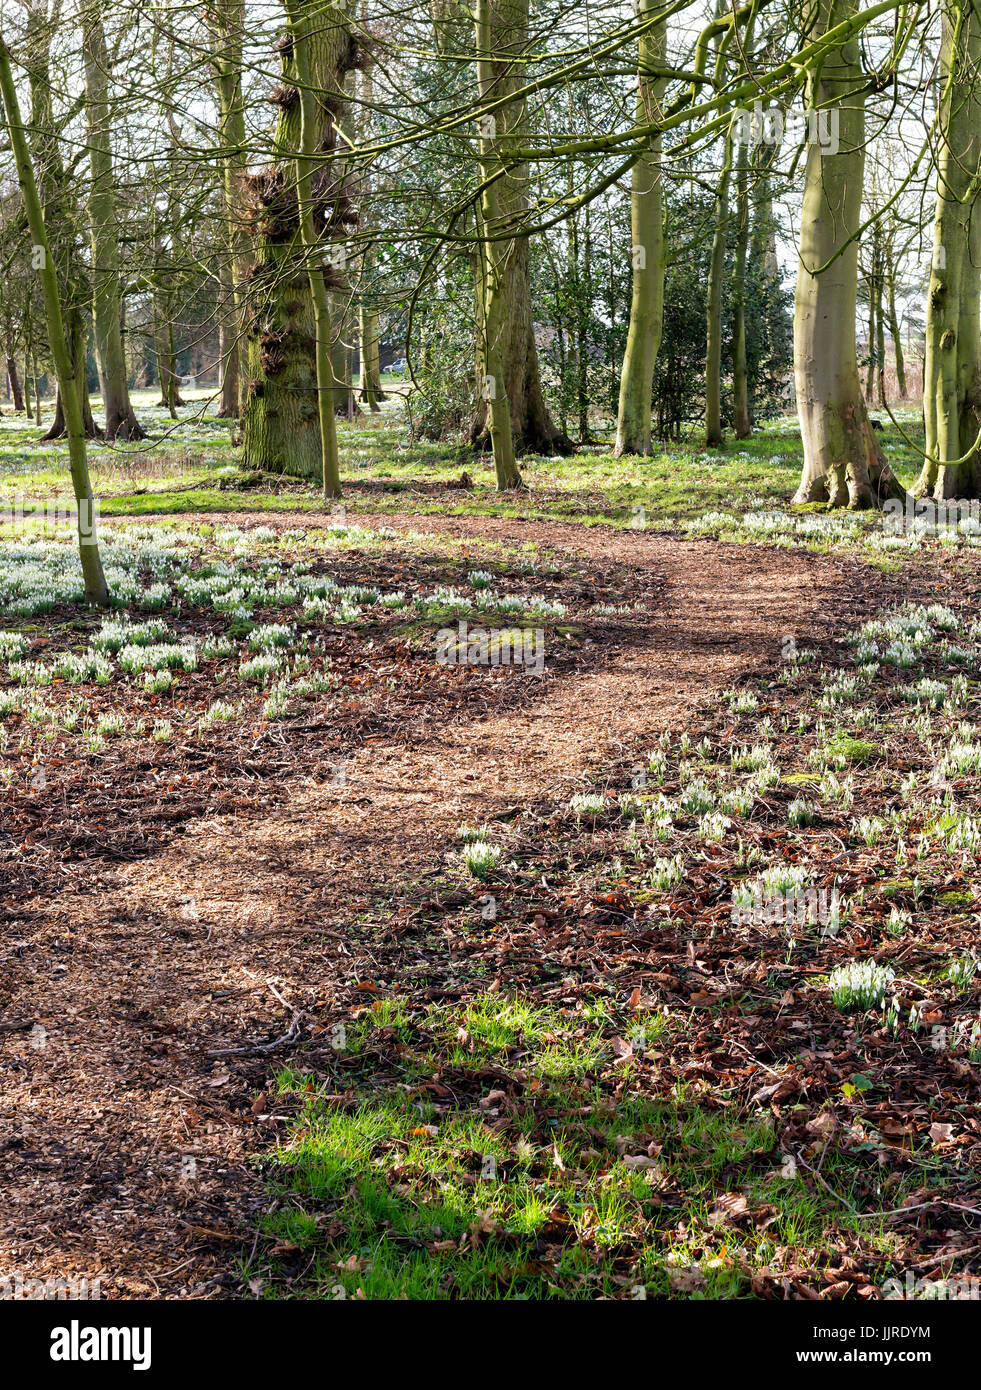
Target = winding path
(124,1146)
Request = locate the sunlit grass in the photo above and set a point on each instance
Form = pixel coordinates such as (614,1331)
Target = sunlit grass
(191,464)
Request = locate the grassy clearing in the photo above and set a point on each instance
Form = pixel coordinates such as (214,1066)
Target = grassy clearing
(191,465)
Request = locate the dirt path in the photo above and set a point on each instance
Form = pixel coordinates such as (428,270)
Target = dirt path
(123,1143)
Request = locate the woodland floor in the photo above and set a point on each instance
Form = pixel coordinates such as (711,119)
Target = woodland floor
(188,922)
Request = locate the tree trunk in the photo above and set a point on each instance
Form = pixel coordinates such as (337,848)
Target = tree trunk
(895,332)
(283,430)
(342,354)
(843,463)
(713,303)
(762,238)
(228,18)
(163,339)
(573,298)
(742,425)
(301,33)
(505,25)
(57,204)
(369,387)
(14,383)
(228,405)
(950,368)
(584,302)
(647,252)
(121,422)
(495,283)
(880,341)
(964,478)
(96,590)
(76,336)
(870,365)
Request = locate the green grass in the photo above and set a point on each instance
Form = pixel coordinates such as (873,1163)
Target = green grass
(842,750)
(190,465)
(542,1186)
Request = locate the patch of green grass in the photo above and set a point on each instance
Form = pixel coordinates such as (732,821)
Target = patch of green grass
(191,465)
(956,899)
(842,750)
(519,1175)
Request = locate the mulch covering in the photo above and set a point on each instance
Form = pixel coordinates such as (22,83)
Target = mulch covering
(180,919)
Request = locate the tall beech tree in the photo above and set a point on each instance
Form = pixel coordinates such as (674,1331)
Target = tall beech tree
(96,589)
(283,428)
(121,422)
(369,386)
(58,203)
(843,463)
(495,280)
(228,29)
(714,298)
(892,318)
(647,250)
(163,222)
(742,421)
(952,363)
(301,32)
(503,284)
